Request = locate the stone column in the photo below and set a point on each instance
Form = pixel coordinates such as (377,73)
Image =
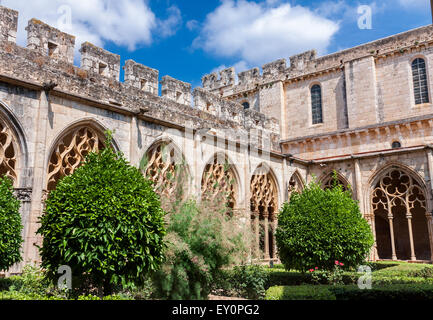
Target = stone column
(391,232)
(430,198)
(24,195)
(412,247)
(429,219)
(266,216)
(359,186)
(31,254)
(134,148)
(373,252)
(256,217)
(275,224)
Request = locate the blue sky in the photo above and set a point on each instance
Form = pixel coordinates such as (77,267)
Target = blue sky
(187,39)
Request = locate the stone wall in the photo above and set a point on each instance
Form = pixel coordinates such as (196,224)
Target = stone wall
(367,105)
(44,97)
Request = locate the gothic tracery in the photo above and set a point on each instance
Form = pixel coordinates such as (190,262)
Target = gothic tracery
(264,207)
(219,181)
(70,153)
(8,157)
(165,168)
(400,209)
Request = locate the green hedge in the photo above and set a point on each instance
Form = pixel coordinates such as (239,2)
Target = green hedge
(351,292)
(14,295)
(304,292)
(289,278)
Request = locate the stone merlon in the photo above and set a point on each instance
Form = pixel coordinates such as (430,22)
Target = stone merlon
(48,40)
(141,77)
(100,61)
(176,90)
(227,79)
(8,24)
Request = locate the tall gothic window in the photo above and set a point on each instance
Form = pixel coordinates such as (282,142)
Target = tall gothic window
(420,81)
(316,103)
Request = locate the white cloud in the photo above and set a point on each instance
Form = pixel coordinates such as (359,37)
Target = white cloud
(128,23)
(262,32)
(414,3)
(192,25)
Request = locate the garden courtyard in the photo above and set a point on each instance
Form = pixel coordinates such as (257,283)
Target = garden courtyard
(390,280)
(108,234)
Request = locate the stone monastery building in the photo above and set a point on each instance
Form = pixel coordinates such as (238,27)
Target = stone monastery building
(365,112)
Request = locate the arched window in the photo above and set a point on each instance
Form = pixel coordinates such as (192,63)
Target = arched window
(401,217)
(246,105)
(219,183)
(420,85)
(8,153)
(316,104)
(164,165)
(71,151)
(264,211)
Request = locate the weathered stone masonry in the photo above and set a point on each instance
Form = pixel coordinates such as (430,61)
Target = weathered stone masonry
(374,132)
(53,113)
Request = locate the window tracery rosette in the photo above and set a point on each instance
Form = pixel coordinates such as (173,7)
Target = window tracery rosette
(166,169)
(219,184)
(8,155)
(397,188)
(71,152)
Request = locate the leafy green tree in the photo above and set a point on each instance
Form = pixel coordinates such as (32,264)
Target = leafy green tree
(202,240)
(319,227)
(10,226)
(105,222)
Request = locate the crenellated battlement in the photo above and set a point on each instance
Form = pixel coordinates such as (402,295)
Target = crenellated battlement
(307,63)
(226,79)
(49,57)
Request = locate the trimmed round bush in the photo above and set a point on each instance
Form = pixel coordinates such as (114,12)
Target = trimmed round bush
(10,226)
(319,227)
(105,222)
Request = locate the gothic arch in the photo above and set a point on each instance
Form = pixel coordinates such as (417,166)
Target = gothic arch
(221,180)
(296,184)
(327,180)
(400,218)
(264,211)
(13,145)
(71,147)
(164,164)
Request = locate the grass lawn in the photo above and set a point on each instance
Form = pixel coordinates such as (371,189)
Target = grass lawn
(390,280)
